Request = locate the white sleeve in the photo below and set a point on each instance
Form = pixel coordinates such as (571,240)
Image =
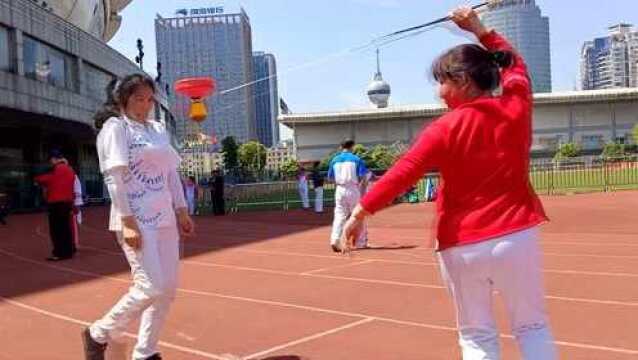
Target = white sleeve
(176,189)
(112,145)
(77,191)
(114,180)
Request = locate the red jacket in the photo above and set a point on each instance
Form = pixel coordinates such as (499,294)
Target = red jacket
(58,183)
(482,150)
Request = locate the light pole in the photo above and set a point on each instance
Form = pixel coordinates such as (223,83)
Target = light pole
(139,59)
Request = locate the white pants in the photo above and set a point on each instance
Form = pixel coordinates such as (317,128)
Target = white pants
(303,194)
(346,199)
(154,268)
(319,199)
(192,205)
(510,265)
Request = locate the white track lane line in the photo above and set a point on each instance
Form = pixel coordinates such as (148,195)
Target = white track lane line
(371,281)
(303,307)
(308,338)
(57,316)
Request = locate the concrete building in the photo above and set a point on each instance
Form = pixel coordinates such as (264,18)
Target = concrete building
(52,80)
(208,42)
(266,98)
(277,155)
(200,164)
(99,18)
(590,118)
(523,24)
(612,61)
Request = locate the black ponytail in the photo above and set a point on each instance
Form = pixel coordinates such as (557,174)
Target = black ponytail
(110,108)
(503,59)
(474,61)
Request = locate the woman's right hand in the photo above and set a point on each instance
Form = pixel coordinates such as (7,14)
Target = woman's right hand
(467,19)
(131,232)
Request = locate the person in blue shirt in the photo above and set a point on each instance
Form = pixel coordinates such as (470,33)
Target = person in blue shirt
(346,171)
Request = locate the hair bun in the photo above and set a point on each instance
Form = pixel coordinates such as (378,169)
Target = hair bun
(502,58)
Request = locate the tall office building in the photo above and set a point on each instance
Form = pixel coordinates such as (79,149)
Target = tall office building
(266,98)
(208,42)
(612,61)
(522,23)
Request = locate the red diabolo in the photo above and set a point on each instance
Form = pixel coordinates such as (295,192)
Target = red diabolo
(196,89)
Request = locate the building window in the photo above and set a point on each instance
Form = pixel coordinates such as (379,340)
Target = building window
(5,50)
(46,64)
(592,142)
(96,81)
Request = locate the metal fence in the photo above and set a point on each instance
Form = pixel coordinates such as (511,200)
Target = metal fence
(284,195)
(546,176)
(549,177)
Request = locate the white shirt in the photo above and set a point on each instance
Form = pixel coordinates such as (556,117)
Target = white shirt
(77,191)
(152,162)
(190,191)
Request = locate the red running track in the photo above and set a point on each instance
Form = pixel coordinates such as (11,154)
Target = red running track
(267,286)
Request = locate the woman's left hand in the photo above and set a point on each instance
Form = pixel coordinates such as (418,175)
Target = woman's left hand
(186,224)
(351,232)
(353,228)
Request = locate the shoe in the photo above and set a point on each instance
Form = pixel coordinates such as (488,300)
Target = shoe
(155,357)
(335,248)
(57,258)
(93,350)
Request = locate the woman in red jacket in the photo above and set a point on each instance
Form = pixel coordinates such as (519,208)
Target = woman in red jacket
(488,213)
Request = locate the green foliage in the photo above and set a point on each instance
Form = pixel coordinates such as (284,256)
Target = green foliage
(229,152)
(379,157)
(566,151)
(613,150)
(289,168)
(252,156)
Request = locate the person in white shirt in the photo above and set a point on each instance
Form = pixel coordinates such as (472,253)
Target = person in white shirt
(78,202)
(147,211)
(77,212)
(302,181)
(346,170)
(190,190)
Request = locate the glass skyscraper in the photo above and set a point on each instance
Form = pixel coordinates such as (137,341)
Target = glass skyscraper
(612,61)
(266,98)
(202,43)
(522,23)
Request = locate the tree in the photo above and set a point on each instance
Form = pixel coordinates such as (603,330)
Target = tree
(566,151)
(229,152)
(325,163)
(634,133)
(379,157)
(252,156)
(613,150)
(382,157)
(289,168)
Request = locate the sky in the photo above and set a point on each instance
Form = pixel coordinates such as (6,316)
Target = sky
(311,42)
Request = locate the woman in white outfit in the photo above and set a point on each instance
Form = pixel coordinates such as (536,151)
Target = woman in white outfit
(302,181)
(140,171)
(190,189)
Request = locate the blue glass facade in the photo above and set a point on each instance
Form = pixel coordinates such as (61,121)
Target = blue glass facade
(522,23)
(212,45)
(266,98)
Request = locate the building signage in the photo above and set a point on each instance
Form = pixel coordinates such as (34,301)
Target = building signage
(201,11)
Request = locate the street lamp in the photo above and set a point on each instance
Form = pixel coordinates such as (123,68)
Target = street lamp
(139,59)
